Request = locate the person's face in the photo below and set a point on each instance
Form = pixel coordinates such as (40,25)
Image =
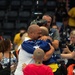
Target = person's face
(11,45)
(48,19)
(65,22)
(72,38)
(37,34)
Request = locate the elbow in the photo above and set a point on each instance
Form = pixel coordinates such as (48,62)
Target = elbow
(46,58)
(55,44)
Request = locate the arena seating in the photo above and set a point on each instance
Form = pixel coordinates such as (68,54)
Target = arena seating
(16,13)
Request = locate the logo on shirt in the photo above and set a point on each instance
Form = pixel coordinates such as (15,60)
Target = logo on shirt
(36,47)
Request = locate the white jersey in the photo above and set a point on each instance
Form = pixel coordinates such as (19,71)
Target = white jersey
(23,57)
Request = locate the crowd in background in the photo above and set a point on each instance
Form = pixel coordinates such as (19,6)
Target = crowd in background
(53,33)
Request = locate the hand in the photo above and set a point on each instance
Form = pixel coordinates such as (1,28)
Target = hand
(13,67)
(66,50)
(45,38)
(51,47)
(23,66)
(73,55)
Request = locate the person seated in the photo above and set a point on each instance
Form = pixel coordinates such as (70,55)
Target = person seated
(70,50)
(7,58)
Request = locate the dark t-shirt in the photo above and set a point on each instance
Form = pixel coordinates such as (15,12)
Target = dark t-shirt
(70,61)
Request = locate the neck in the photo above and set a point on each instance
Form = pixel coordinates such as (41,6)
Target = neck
(38,62)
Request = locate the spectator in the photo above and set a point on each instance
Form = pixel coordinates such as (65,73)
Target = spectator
(71,14)
(29,45)
(69,55)
(7,59)
(69,49)
(38,68)
(17,39)
(65,27)
(64,32)
(22,36)
(53,32)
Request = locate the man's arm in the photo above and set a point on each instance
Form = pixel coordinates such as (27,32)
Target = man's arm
(66,50)
(69,55)
(55,38)
(55,44)
(70,13)
(49,53)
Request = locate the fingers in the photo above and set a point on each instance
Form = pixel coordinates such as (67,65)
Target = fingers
(44,38)
(23,65)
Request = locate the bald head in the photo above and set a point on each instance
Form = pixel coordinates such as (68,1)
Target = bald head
(44,31)
(38,54)
(34,32)
(33,28)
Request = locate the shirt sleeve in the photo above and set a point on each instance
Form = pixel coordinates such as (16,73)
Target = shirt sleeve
(56,35)
(16,38)
(71,12)
(26,71)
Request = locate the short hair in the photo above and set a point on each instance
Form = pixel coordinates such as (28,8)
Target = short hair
(38,54)
(72,32)
(44,31)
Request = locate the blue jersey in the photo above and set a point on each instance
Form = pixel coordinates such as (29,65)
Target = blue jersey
(30,45)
